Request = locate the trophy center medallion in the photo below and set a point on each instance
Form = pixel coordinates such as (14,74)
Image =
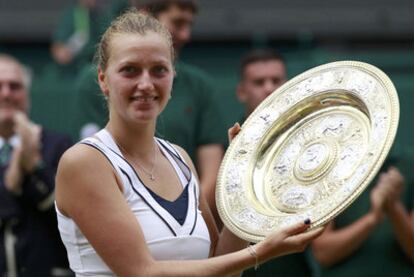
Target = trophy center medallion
(314,161)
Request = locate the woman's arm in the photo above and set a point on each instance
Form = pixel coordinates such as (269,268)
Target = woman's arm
(89,192)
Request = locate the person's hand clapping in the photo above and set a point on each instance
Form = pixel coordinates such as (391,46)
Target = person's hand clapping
(30,141)
(394,183)
(378,197)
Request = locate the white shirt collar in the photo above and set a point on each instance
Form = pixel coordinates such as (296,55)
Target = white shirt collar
(14,141)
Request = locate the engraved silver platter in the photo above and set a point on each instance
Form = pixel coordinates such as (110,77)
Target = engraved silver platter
(308,150)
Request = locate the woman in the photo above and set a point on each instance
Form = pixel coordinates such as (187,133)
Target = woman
(129,204)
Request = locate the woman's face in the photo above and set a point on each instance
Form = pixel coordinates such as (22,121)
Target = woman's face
(138,78)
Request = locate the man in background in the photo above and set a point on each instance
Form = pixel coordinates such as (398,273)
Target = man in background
(30,244)
(78,31)
(262,71)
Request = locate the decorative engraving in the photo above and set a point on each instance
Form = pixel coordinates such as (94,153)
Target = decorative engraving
(313,156)
(296,198)
(318,158)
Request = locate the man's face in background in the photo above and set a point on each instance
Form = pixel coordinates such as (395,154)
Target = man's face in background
(259,80)
(179,21)
(13,91)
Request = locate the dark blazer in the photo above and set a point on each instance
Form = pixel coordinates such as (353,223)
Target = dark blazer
(28,220)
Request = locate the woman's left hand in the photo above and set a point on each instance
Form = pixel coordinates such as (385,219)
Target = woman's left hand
(233,131)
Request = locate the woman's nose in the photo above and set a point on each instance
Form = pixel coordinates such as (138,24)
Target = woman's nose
(145,82)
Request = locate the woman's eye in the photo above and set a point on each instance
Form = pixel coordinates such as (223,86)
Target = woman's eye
(129,69)
(159,70)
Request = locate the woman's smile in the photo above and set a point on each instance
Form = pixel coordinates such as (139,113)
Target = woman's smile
(144,102)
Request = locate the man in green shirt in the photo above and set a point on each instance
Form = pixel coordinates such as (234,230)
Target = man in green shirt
(375,235)
(77,32)
(192,118)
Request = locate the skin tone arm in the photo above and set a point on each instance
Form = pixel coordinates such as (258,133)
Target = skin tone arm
(13,175)
(401,220)
(335,245)
(85,176)
(24,158)
(209,159)
(61,53)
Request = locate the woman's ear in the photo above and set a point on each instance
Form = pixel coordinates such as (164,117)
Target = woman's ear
(102,82)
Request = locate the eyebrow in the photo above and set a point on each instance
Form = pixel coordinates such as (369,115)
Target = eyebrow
(12,82)
(158,61)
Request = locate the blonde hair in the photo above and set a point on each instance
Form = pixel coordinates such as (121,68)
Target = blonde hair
(131,22)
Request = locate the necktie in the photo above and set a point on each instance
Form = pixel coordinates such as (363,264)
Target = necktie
(5,153)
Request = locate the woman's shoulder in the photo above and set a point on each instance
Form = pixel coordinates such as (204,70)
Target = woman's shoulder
(80,157)
(176,149)
(81,170)
(186,157)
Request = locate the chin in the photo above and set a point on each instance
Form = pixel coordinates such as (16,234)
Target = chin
(145,118)
(6,117)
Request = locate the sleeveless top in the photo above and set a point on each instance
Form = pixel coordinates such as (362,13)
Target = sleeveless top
(166,238)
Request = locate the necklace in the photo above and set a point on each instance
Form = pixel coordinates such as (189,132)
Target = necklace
(149,173)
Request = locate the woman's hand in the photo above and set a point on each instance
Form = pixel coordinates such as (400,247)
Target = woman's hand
(233,131)
(289,240)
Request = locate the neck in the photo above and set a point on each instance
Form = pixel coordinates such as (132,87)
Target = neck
(136,140)
(6,130)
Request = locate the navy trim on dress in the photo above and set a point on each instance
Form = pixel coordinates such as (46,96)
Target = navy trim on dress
(178,157)
(130,181)
(151,192)
(146,202)
(93,145)
(169,144)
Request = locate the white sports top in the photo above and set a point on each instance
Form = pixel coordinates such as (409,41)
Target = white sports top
(165,237)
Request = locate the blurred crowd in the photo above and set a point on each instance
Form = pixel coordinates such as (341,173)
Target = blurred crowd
(373,237)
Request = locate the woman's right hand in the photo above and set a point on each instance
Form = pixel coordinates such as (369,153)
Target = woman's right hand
(289,240)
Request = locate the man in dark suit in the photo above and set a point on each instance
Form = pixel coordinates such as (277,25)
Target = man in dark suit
(30,244)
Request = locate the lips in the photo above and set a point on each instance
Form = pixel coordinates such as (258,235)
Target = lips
(144,98)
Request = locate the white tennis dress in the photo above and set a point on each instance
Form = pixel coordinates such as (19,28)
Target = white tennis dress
(166,238)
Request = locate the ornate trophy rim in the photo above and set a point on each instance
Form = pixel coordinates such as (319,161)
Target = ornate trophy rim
(247,200)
